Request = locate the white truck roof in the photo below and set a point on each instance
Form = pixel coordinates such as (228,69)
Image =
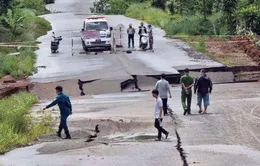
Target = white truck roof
(95,19)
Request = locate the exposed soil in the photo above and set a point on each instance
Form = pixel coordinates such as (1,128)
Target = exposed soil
(9,85)
(236,51)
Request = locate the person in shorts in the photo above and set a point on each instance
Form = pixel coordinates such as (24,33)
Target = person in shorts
(203,86)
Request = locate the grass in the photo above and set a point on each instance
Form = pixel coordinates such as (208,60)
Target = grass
(18,66)
(144,12)
(17,127)
(23,64)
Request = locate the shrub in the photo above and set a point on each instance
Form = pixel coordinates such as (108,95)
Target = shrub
(16,126)
(110,6)
(38,6)
(18,66)
(196,25)
(144,11)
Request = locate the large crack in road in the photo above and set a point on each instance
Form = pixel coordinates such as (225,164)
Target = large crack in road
(180,149)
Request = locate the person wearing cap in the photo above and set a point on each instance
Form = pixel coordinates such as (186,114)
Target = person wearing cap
(150,34)
(142,30)
(163,87)
(186,93)
(131,34)
(203,86)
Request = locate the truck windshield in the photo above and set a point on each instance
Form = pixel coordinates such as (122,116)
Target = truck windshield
(97,26)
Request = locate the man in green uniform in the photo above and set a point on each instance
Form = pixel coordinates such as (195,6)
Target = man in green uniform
(186,93)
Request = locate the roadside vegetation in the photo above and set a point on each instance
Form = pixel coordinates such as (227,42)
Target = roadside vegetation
(193,21)
(189,17)
(20,25)
(17,127)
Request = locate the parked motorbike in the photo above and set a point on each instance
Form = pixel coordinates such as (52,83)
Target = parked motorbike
(144,40)
(55,43)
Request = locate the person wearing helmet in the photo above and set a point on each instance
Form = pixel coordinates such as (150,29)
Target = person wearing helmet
(150,34)
(142,30)
(131,33)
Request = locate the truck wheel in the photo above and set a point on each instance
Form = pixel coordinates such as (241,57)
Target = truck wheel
(85,48)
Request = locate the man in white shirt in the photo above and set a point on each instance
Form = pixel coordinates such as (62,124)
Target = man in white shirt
(158,116)
(163,87)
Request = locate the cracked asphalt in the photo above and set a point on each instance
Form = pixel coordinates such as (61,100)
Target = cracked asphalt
(227,135)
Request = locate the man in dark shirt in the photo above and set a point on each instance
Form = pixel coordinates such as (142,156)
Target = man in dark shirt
(203,85)
(65,110)
(142,30)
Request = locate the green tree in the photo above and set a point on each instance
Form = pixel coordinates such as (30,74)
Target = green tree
(229,8)
(4,5)
(12,22)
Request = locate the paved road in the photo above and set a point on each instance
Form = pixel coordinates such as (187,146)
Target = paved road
(228,135)
(63,66)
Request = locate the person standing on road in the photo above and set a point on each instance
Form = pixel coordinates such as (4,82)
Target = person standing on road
(186,93)
(65,107)
(203,85)
(142,30)
(163,87)
(150,34)
(131,34)
(158,116)
(113,40)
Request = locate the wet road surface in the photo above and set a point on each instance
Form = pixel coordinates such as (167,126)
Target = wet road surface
(63,65)
(228,135)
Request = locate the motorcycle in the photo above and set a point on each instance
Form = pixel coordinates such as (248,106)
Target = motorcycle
(144,40)
(55,43)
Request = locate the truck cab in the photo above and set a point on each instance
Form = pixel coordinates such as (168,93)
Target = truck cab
(95,33)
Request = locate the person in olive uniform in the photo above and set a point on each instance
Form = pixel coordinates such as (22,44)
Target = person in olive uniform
(186,93)
(65,107)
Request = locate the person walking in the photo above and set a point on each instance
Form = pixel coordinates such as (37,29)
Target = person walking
(131,34)
(142,30)
(186,93)
(150,34)
(65,107)
(113,40)
(203,86)
(163,87)
(158,116)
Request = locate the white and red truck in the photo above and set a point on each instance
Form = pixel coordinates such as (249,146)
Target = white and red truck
(95,34)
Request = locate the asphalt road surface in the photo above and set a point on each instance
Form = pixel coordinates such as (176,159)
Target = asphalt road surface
(67,22)
(227,135)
